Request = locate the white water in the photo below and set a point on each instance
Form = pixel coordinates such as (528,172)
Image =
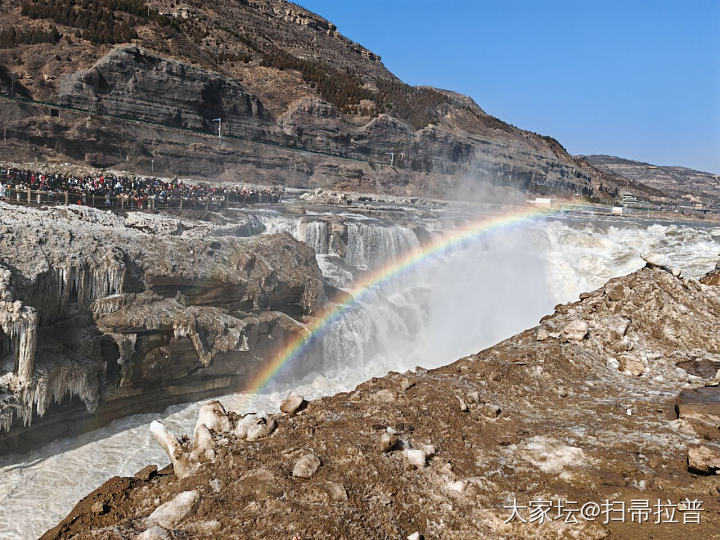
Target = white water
(452,305)
(370,244)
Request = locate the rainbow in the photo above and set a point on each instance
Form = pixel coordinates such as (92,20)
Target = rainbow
(452,238)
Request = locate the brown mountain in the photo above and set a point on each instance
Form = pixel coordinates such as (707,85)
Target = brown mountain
(135,85)
(678,183)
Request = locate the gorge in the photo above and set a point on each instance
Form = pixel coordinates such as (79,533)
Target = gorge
(452,304)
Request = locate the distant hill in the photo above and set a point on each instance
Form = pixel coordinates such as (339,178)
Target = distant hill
(676,182)
(131,84)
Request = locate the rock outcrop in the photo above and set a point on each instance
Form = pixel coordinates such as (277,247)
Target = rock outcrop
(135,83)
(102,316)
(506,443)
(675,182)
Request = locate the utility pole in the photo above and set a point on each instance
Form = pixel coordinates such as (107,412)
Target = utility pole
(152,165)
(219,121)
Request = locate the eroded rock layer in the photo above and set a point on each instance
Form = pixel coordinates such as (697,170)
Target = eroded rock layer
(612,399)
(102,316)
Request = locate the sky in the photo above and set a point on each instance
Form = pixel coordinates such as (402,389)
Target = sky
(635,79)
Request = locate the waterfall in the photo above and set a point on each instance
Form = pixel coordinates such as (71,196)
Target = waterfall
(275,224)
(316,236)
(370,245)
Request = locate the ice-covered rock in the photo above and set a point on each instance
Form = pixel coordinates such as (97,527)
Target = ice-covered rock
(263,427)
(656,259)
(154,223)
(203,444)
(111,301)
(214,416)
(175,511)
(155,533)
(184,464)
(415,456)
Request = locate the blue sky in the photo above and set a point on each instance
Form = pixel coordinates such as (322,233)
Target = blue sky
(636,79)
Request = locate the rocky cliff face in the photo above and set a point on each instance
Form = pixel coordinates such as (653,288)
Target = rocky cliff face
(677,183)
(300,104)
(102,316)
(132,83)
(612,398)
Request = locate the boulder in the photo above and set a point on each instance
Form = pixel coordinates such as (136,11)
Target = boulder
(631,365)
(700,403)
(387,441)
(175,511)
(575,330)
(213,415)
(704,459)
(306,466)
(292,403)
(415,457)
(656,259)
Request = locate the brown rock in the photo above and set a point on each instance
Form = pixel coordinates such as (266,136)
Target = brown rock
(707,369)
(575,330)
(699,402)
(306,466)
(98,508)
(615,292)
(490,410)
(631,365)
(293,403)
(387,442)
(146,473)
(167,470)
(704,459)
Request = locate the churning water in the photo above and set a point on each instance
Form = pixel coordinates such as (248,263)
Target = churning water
(451,305)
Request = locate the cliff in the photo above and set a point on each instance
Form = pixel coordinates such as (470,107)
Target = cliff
(611,400)
(300,104)
(102,316)
(680,184)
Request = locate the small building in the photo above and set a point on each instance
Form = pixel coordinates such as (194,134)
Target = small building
(546,201)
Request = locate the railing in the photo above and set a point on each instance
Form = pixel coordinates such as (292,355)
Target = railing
(31,197)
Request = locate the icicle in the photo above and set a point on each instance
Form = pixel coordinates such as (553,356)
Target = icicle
(20,324)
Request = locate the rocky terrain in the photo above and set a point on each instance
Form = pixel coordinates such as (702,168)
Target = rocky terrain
(612,399)
(300,104)
(676,182)
(102,315)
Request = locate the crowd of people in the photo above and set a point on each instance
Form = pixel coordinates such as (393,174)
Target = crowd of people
(131,191)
